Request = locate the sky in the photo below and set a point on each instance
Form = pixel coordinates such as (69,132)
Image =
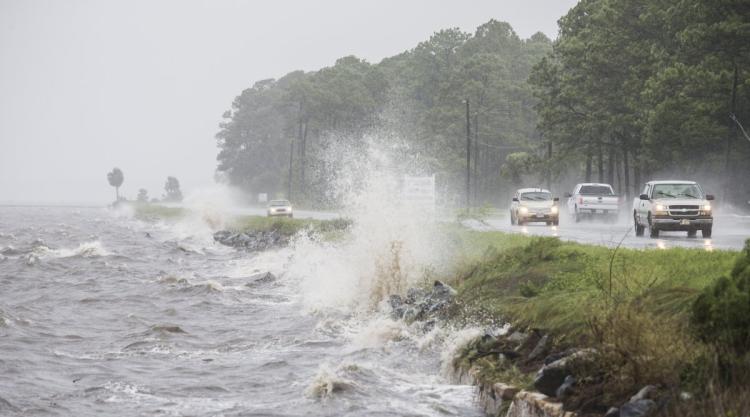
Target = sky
(87,85)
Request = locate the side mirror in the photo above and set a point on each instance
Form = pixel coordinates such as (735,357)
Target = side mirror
(644,197)
(556,199)
(568,195)
(515,198)
(709,197)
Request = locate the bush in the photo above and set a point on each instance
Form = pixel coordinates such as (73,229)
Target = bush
(721,314)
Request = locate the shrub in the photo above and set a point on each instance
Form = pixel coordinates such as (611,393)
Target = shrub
(721,314)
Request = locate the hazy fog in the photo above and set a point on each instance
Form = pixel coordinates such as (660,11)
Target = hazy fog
(88,85)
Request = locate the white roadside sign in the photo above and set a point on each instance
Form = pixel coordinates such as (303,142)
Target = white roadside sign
(419,193)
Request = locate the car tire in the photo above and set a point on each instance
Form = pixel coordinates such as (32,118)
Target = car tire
(652,231)
(692,233)
(556,222)
(512,219)
(291,216)
(577,215)
(639,228)
(707,232)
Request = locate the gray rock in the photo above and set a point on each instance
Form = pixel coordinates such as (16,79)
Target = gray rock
(397,306)
(559,355)
(638,408)
(540,348)
(566,389)
(411,314)
(261,278)
(429,325)
(549,378)
(613,412)
(251,241)
(518,337)
(646,393)
(442,291)
(413,295)
(395,301)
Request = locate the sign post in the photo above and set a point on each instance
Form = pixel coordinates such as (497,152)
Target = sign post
(419,194)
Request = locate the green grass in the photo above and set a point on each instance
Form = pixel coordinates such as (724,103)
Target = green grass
(148,211)
(329,229)
(557,286)
(633,306)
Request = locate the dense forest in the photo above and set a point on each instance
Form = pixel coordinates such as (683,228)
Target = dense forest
(630,89)
(417,96)
(638,89)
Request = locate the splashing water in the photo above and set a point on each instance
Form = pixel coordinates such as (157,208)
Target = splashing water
(390,245)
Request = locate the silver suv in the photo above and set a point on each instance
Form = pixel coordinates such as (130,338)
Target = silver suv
(673,205)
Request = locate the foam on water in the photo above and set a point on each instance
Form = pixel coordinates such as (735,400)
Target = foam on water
(84,250)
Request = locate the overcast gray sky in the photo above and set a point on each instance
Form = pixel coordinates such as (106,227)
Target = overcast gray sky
(141,84)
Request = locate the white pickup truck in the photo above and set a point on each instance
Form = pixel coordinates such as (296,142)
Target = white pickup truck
(673,205)
(593,199)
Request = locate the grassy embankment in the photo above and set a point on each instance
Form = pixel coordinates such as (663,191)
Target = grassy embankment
(633,306)
(328,229)
(558,286)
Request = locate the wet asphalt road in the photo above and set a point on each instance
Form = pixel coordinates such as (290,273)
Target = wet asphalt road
(730,232)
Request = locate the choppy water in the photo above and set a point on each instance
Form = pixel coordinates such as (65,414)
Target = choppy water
(99,319)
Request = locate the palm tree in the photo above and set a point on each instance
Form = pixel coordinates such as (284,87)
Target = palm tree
(115,179)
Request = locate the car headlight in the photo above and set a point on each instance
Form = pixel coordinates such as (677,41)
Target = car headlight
(660,209)
(706,207)
(523,210)
(553,210)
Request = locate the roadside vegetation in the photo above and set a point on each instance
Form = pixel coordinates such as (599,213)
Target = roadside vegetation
(288,227)
(148,211)
(677,319)
(250,224)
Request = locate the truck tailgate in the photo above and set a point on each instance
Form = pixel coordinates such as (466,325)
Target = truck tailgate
(608,202)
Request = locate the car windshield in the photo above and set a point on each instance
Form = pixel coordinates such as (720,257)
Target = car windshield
(595,190)
(536,196)
(279,203)
(677,191)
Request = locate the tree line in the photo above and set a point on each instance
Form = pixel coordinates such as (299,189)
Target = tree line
(640,88)
(172,192)
(418,96)
(630,90)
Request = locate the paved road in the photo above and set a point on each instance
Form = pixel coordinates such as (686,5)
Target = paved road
(730,232)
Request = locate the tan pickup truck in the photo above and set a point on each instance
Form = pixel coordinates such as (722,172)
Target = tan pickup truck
(673,206)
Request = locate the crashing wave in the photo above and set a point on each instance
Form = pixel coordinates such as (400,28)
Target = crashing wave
(327,382)
(91,249)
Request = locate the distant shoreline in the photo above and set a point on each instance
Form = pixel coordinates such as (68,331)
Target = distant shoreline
(40,205)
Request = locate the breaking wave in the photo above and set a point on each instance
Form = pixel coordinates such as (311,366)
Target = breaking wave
(91,249)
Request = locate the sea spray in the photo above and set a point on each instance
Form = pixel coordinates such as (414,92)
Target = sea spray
(389,245)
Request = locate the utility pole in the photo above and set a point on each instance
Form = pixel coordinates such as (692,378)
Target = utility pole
(475,196)
(291,158)
(468,157)
(731,137)
(549,165)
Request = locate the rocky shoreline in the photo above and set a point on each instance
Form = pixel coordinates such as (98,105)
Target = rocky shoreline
(252,241)
(518,373)
(564,382)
